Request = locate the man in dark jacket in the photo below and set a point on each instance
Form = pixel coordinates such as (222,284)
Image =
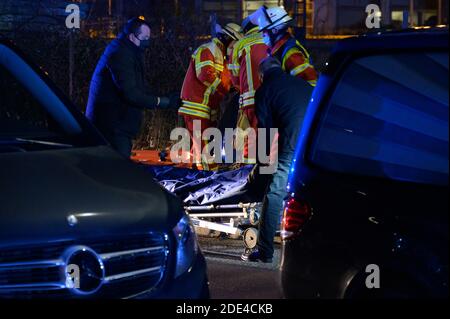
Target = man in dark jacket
(118,93)
(281,103)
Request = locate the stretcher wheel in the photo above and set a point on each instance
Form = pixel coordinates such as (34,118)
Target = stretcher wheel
(250,237)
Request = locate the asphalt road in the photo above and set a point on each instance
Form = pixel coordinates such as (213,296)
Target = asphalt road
(231,278)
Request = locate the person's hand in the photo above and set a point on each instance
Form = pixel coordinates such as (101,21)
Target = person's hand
(164,102)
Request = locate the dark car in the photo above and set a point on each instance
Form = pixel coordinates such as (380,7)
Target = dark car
(367,214)
(77,219)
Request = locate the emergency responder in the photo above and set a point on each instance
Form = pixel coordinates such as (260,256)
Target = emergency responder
(281,103)
(247,55)
(274,23)
(206,83)
(118,93)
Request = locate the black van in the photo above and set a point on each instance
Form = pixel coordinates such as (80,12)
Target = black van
(367,214)
(77,219)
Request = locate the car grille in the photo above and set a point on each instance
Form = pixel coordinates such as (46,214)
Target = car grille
(131,265)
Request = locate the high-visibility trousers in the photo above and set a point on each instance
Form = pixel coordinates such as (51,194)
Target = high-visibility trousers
(247,119)
(198,144)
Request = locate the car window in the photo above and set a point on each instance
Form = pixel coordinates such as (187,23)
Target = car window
(20,113)
(388,117)
(32,116)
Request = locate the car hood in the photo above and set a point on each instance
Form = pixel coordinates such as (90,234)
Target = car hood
(75,193)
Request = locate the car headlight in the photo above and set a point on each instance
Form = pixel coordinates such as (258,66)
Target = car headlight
(187,247)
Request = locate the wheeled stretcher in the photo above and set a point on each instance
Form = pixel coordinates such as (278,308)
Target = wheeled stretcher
(215,201)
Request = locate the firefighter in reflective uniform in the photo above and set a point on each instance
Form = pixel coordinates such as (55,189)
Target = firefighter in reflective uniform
(247,55)
(206,83)
(274,23)
(234,75)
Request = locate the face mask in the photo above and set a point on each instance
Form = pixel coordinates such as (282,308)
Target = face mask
(145,44)
(266,39)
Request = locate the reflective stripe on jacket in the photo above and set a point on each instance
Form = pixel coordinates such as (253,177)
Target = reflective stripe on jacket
(295,59)
(247,55)
(206,82)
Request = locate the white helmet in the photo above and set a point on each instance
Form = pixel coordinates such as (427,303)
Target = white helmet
(270,18)
(251,19)
(232,30)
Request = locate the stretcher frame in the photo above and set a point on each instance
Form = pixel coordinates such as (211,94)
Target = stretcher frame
(242,219)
